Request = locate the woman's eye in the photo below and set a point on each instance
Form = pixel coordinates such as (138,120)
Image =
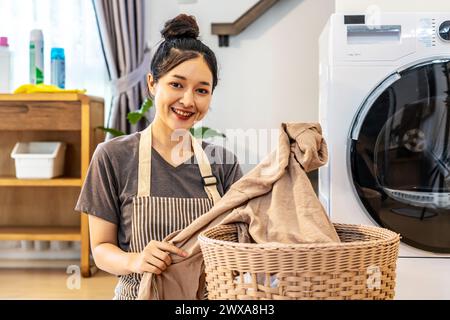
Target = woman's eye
(175,85)
(203,91)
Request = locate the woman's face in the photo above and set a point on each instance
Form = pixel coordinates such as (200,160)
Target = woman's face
(183,95)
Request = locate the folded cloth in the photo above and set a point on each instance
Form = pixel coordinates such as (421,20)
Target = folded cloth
(276,201)
(44,88)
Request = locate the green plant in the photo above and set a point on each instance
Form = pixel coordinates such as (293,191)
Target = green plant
(135,116)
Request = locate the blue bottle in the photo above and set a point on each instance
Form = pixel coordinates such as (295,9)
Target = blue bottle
(58,68)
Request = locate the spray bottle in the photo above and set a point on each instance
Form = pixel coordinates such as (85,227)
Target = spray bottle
(5,66)
(36,56)
(58,69)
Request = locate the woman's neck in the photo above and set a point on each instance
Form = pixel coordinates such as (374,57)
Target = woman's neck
(165,139)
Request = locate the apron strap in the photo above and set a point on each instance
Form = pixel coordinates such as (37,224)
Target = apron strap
(144,169)
(144,166)
(209,180)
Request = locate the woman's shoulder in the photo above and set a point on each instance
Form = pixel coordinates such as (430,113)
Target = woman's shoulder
(119,151)
(120,145)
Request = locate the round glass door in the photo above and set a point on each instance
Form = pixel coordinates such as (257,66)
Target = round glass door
(400,156)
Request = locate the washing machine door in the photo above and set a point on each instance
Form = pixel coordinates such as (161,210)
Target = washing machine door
(400,155)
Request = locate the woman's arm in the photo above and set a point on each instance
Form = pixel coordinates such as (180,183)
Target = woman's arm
(110,258)
(107,255)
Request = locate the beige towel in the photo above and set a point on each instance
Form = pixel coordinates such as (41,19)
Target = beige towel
(275,199)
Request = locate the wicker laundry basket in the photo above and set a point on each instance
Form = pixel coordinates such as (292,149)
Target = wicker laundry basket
(362,266)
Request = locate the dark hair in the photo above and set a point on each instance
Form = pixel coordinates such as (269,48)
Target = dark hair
(181,44)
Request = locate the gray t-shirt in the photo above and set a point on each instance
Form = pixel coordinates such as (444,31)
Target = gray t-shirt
(112,180)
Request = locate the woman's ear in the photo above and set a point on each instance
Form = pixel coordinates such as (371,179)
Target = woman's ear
(151,84)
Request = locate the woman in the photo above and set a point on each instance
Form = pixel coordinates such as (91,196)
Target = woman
(144,186)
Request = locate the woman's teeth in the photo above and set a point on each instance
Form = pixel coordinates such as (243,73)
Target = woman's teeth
(182,113)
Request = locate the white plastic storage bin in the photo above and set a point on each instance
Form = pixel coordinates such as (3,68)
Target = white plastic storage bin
(39,160)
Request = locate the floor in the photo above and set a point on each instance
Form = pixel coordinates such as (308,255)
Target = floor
(54,283)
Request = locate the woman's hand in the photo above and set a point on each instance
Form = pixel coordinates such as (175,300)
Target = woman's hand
(154,258)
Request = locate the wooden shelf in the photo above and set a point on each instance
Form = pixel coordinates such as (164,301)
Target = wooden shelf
(57,182)
(69,117)
(57,96)
(40,233)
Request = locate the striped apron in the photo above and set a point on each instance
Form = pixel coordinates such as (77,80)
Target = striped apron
(154,218)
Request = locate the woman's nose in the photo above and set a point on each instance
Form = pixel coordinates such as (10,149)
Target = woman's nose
(187,99)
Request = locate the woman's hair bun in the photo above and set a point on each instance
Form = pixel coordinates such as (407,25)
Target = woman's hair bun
(182,26)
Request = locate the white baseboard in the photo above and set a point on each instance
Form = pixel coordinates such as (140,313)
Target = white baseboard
(22,254)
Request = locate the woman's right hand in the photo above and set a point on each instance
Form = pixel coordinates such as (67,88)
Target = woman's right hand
(154,258)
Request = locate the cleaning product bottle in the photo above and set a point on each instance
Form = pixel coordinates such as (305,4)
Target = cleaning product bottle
(58,69)
(5,66)
(36,56)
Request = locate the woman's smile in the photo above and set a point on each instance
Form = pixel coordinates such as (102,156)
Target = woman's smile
(182,114)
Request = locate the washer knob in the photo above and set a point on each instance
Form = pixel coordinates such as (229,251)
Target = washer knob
(444,30)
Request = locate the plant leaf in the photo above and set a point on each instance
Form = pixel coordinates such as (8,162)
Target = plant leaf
(114,132)
(146,105)
(205,132)
(135,116)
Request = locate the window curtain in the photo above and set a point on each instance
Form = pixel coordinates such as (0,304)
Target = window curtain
(121,28)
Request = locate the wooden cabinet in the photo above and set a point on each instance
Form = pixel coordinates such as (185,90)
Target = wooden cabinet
(43,209)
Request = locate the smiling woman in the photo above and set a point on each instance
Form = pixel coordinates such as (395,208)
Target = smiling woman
(182,79)
(144,186)
(182,98)
(185,91)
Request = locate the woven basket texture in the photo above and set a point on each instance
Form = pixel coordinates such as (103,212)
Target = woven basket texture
(362,266)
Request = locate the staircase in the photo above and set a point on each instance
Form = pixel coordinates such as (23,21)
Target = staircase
(225,30)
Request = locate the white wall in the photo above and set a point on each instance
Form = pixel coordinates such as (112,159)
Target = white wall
(393,5)
(269,73)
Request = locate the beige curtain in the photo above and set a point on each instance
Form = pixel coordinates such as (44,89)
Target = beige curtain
(121,27)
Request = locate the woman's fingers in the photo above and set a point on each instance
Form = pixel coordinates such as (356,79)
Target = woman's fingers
(156,258)
(151,268)
(165,246)
(163,256)
(157,263)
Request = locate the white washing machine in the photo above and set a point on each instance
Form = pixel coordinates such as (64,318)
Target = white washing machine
(385,112)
